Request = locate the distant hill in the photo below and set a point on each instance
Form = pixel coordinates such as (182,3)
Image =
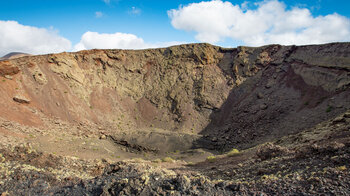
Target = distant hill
(14,55)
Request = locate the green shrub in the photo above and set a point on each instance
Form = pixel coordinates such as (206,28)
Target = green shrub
(233,152)
(329,109)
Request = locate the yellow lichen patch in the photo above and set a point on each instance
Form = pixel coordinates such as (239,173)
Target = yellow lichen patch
(269,177)
(341,168)
(6,169)
(62,174)
(145,178)
(26,167)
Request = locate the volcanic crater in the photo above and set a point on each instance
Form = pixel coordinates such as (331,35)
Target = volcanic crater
(192,119)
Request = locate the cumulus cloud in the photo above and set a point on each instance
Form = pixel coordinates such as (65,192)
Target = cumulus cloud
(20,38)
(95,40)
(15,37)
(91,40)
(270,22)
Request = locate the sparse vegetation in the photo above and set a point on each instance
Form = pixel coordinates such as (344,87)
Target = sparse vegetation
(211,158)
(329,109)
(138,160)
(233,152)
(156,161)
(168,159)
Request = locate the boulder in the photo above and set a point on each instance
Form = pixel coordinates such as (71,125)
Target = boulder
(21,99)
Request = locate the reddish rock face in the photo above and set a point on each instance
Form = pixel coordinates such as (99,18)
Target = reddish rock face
(7,68)
(196,88)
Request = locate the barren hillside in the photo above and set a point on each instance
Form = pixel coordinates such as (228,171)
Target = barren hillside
(162,121)
(14,55)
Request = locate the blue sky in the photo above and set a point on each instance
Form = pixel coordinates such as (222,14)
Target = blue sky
(153,24)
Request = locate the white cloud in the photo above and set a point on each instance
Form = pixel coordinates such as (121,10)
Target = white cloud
(270,22)
(92,40)
(135,11)
(110,2)
(15,37)
(98,14)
